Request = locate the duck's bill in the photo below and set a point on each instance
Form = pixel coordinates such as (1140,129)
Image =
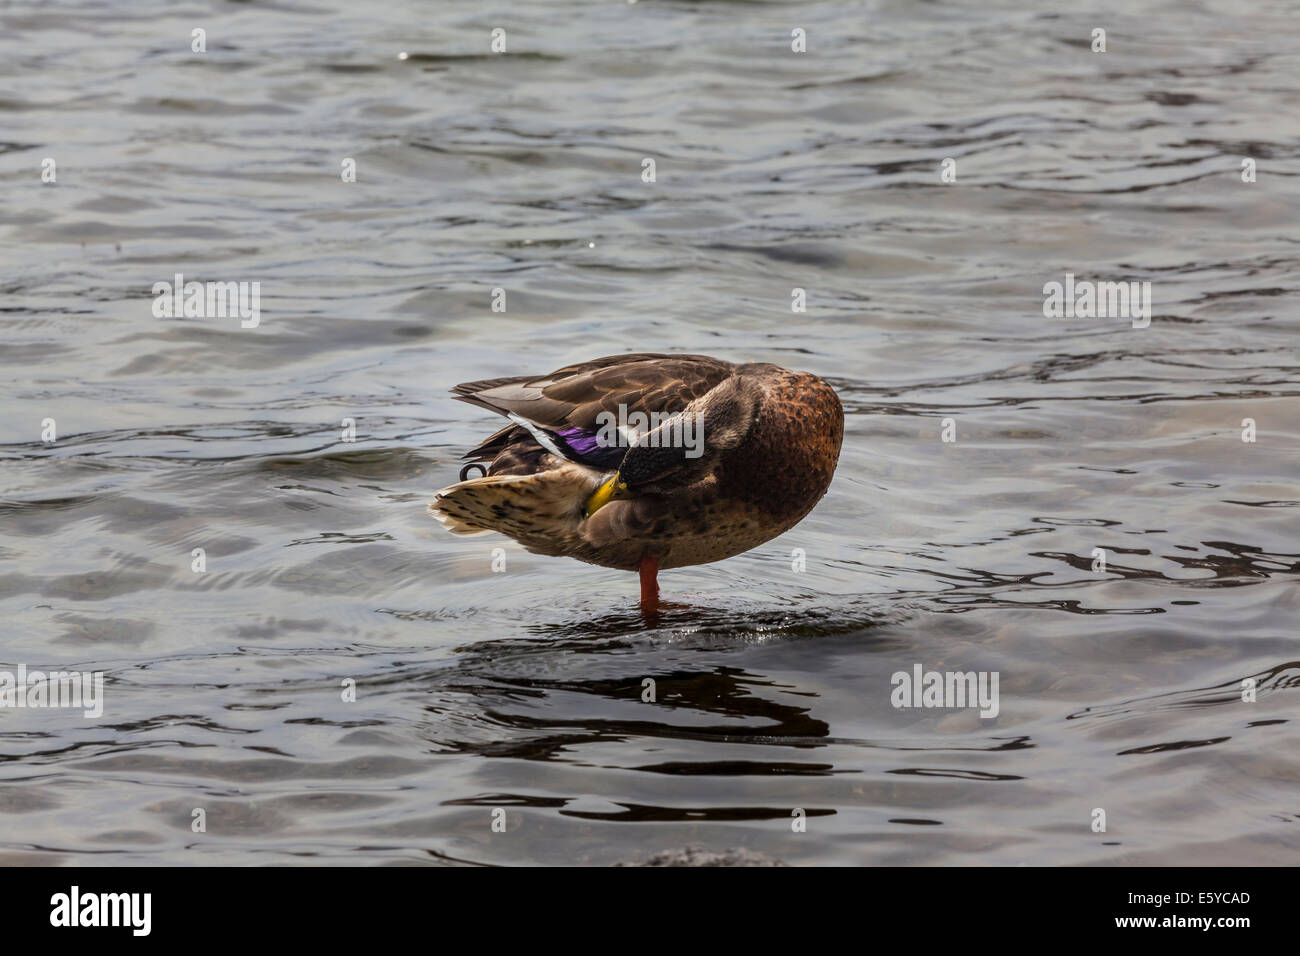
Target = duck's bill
(611,489)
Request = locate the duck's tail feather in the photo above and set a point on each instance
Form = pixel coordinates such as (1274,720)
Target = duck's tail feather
(540,511)
(449,519)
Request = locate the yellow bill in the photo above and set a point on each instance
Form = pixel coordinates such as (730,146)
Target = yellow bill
(604,494)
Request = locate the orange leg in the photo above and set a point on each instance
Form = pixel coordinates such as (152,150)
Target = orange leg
(650,582)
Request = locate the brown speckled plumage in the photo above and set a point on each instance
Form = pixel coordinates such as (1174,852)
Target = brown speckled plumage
(771,441)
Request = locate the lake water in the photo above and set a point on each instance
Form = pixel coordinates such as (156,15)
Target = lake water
(522,690)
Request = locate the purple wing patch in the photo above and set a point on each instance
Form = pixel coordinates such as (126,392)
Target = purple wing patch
(586,448)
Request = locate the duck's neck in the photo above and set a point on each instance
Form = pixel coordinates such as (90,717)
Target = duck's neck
(785,463)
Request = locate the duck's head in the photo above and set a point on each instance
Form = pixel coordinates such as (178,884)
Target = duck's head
(686,447)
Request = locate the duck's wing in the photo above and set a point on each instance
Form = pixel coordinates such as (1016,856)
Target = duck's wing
(561,411)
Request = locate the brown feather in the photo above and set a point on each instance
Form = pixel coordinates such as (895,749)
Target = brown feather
(573,397)
(775,435)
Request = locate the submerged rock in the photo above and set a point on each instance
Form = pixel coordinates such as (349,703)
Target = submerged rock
(698,856)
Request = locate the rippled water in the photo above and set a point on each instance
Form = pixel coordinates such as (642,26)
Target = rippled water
(522,690)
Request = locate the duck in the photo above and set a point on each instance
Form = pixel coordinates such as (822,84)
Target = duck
(647,461)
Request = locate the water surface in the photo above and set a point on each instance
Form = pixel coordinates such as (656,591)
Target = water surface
(522,690)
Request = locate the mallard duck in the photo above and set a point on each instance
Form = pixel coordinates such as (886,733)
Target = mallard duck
(646,461)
